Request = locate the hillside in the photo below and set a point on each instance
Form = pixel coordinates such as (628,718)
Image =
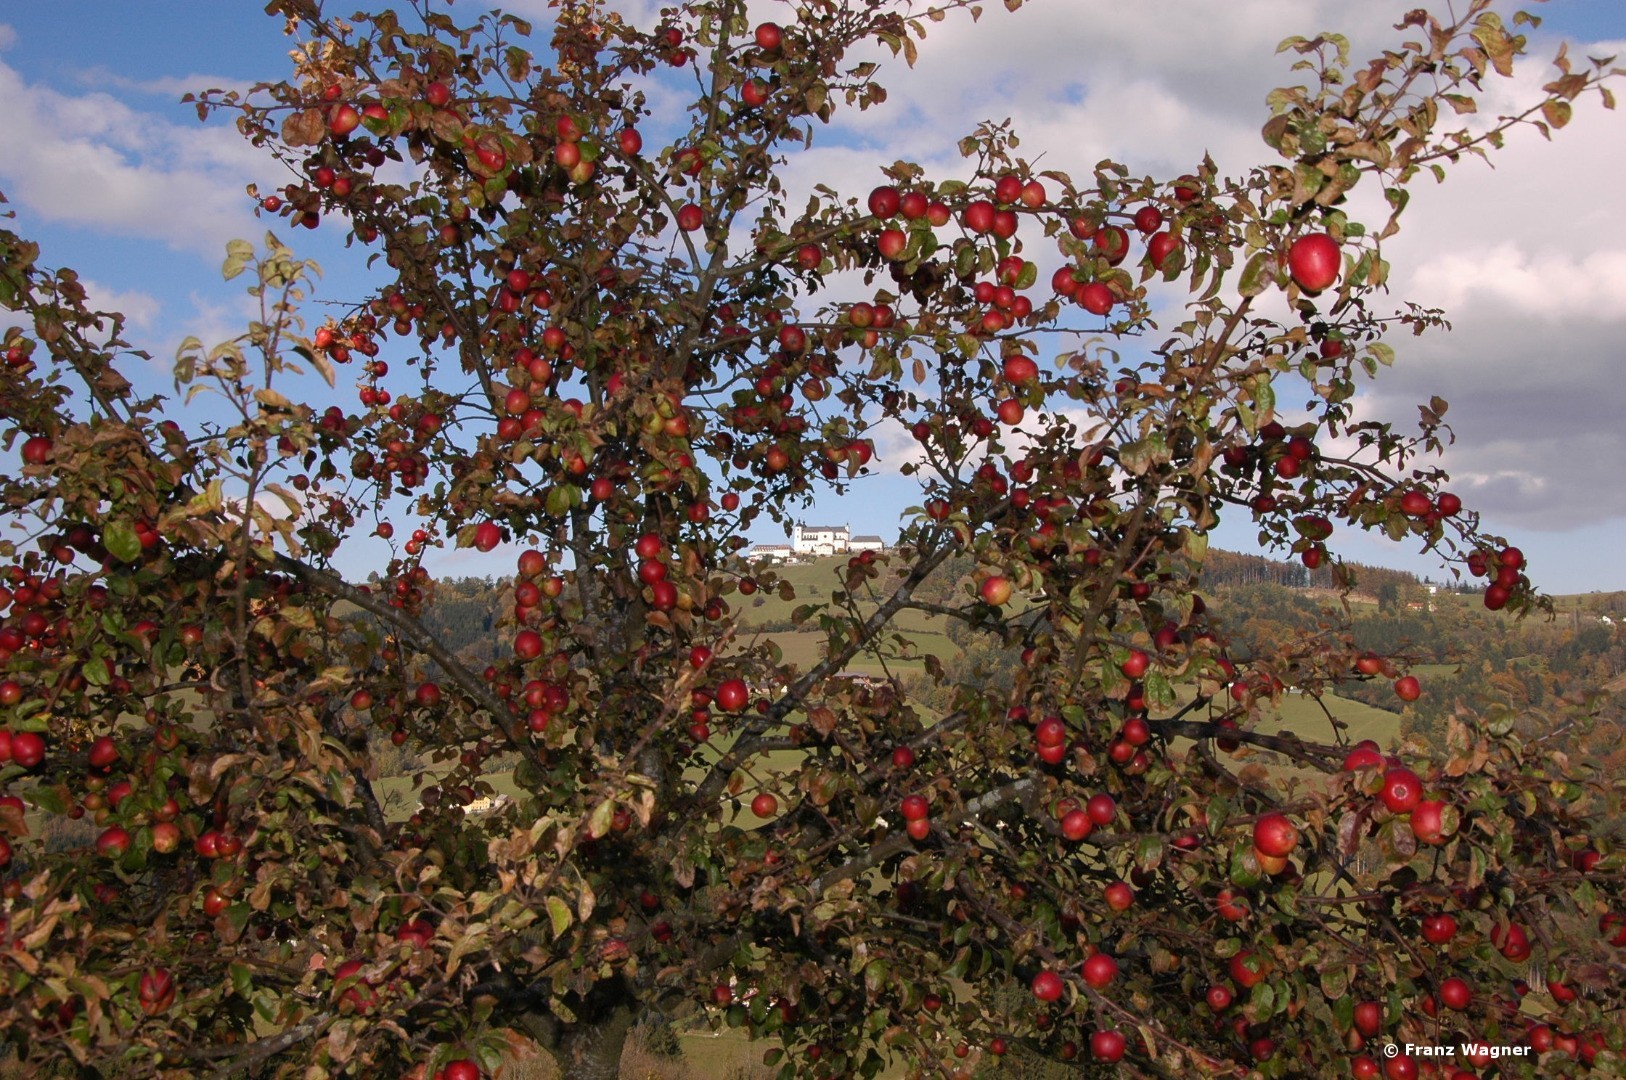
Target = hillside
(1460,650)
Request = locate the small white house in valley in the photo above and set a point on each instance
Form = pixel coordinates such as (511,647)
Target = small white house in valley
(866,542)
(770,553)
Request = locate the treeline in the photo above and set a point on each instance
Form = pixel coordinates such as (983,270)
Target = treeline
(1223,569)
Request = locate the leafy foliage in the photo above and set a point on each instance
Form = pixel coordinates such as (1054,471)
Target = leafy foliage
(616,358)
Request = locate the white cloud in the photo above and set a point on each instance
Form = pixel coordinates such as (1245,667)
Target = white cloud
(92,161)
(1545,285)
(140,310)
(170,86)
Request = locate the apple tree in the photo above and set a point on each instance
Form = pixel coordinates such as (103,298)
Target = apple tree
(604,337)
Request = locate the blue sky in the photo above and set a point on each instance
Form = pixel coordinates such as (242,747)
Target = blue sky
(117,179)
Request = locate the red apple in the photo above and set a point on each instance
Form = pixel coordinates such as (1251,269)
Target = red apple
(1095,298)
(891,243)
(166,837)
(27,749)
(37,450)
(528,645)
(1439,928)
(979,216)
(156,991)
(1248,969)
(1076,825)
(1112,242)
(1100,970)
(103,752)
(1512,941)
(342,120)
(1364,756)
(995,590)
(1314,261)
(1048,986)
(1020,370)
(1427,821)
(1402,1067)
(1416,504)
(417,933)
(764,805)
(884,201)
(1107,1045)
(113,842)
(1159,247)
(1275,835)
(1402,790)
(733,695)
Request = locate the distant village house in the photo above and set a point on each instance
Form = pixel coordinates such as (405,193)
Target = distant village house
(812,541)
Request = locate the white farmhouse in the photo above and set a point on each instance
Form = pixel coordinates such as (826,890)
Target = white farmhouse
(770,553)
(867,543)
(821,539)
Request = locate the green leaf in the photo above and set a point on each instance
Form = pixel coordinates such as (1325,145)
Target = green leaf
(53,800)
(121,541)
(1159,692)
(1142,455)
(1264,397)
(242,981)
(1194,543)
(559,914)
(1258,274)
(603,814)
(1263,1002)
(561,497)
(239,253)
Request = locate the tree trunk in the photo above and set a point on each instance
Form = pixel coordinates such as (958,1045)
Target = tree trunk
(592,1051)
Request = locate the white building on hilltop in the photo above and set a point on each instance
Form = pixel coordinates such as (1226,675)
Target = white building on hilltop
(812,541)
(821,539)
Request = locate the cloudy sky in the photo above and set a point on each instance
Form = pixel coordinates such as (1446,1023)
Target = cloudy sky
(106,168)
